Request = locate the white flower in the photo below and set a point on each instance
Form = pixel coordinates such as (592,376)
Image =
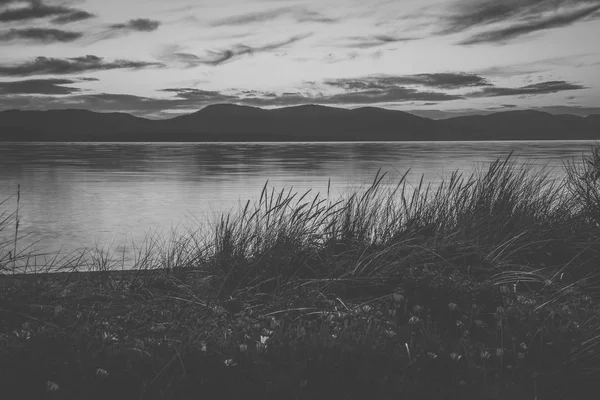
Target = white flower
(261,347)
(456,357)
(452,306)
(51,386)
(101,372)
(398,298)
(229,362)
(390,333)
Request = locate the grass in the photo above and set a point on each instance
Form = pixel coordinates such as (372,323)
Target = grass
(485,287)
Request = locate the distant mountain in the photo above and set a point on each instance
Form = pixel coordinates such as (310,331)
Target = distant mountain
(228,122)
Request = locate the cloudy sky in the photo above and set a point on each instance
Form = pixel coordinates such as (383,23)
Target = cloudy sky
(156,58)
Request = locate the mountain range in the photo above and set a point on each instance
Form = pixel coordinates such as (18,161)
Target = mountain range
(229,122)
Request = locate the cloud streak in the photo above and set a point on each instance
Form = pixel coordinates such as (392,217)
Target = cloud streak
(218,57)
(74,65)
(514,31)
(519,17)
(437,80)
(300,14)
(532,90)
(36,9)
(139,25)
(52,86)
(39,35)
(368,42)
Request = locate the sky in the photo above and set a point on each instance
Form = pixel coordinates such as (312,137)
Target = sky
(160,59)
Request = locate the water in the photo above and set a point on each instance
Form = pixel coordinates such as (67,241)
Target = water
(76,195)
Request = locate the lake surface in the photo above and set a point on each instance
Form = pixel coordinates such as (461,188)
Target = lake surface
(76,195)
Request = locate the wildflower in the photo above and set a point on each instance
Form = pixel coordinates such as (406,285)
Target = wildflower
(456,357)
(413,320)
(261,347)
(390,333)
(243,347)
(108,337)
(229,362)
(366,308)
(417,308)
(459,323)
(485,354)
(479,323)
(101,372)
(452,306)
(523,346)
(391,313)
(431,355)
(266,332)
(334,335)
(22,334)
(499,352)
(398,298)
(275,323)
(203,346)
(51,386)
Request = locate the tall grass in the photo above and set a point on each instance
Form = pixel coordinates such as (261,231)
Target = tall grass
(506,229)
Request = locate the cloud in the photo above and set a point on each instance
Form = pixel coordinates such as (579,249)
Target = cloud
(519,17)
(511,32)
(533,89)
(53,86)
(217,57)
(41,35)
(139,24)
(437,80)
(35,9)
(185,99)
(133,25)
(300,14)
(74,65)
(200,95)
(530,67)
(77,15)
(376,41)
(466,14)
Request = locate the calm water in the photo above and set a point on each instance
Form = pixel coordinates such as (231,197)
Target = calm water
(77,195)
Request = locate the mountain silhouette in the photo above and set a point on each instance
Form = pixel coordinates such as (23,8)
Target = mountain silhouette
(229,122)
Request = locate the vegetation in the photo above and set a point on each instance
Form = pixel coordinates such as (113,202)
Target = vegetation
(485,287)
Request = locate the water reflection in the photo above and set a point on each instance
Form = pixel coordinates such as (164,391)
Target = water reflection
(78,194)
